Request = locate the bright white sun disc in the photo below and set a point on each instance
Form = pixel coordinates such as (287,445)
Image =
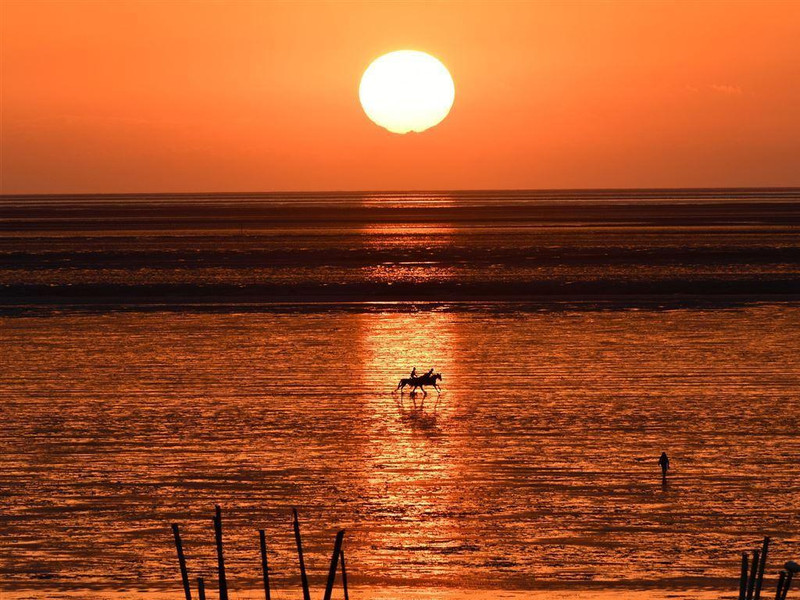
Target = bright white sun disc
(406,90)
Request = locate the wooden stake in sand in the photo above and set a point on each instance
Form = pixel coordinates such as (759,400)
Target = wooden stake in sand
(751,582)
(264,568)
(337,548)
(761,566)
(201,588)
(303,577)
(743,578)
(779,590)
(223,583)
(344,577)
(788,583)
(182,561)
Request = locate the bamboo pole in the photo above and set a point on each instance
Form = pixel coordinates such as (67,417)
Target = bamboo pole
(264,567)
(344,576)
(761,566)
(779,590)
(201,588)
(751,582)
(223,583)
(337,548)
(182,561)
(303,577)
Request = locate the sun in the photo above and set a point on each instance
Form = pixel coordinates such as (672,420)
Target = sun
(406,90)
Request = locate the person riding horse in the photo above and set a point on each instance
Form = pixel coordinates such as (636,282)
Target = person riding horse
(415,381)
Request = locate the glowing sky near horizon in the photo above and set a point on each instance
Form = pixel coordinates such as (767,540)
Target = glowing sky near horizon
(134,96)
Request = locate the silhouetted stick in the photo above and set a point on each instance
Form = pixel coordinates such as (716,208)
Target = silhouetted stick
(779,590)
(787,584)
(344,576)
(264,568)
(223,583)
(337,548)
(743,578)
(201,588)
(751,582)
(303,578)
(182,561)
(761,566)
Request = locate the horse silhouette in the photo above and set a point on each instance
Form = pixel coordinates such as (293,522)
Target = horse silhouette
(420,382)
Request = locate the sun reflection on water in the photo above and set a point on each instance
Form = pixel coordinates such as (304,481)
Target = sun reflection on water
(415,248)
(409,463)
(419,200)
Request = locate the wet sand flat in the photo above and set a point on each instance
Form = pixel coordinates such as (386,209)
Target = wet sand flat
(536,467)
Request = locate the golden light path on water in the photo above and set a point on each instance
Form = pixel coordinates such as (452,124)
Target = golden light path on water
(403,240)
(408,461)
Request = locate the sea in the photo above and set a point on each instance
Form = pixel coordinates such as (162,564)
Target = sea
(164,354)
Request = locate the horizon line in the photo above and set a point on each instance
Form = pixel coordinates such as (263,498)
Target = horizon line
(740,189)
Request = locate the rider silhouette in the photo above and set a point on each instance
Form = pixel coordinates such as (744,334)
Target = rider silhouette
(430,372)
(413,372)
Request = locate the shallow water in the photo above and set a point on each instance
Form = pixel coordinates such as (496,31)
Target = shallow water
(451,246)
(536,467)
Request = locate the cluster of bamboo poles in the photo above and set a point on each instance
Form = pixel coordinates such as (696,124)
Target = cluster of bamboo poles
(337,560)
(751,579)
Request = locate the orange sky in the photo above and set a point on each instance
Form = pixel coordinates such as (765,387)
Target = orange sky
(260,96)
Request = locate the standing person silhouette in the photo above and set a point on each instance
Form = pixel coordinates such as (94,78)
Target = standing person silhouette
(664,462)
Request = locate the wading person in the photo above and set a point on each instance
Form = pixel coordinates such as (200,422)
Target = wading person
(664,462)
